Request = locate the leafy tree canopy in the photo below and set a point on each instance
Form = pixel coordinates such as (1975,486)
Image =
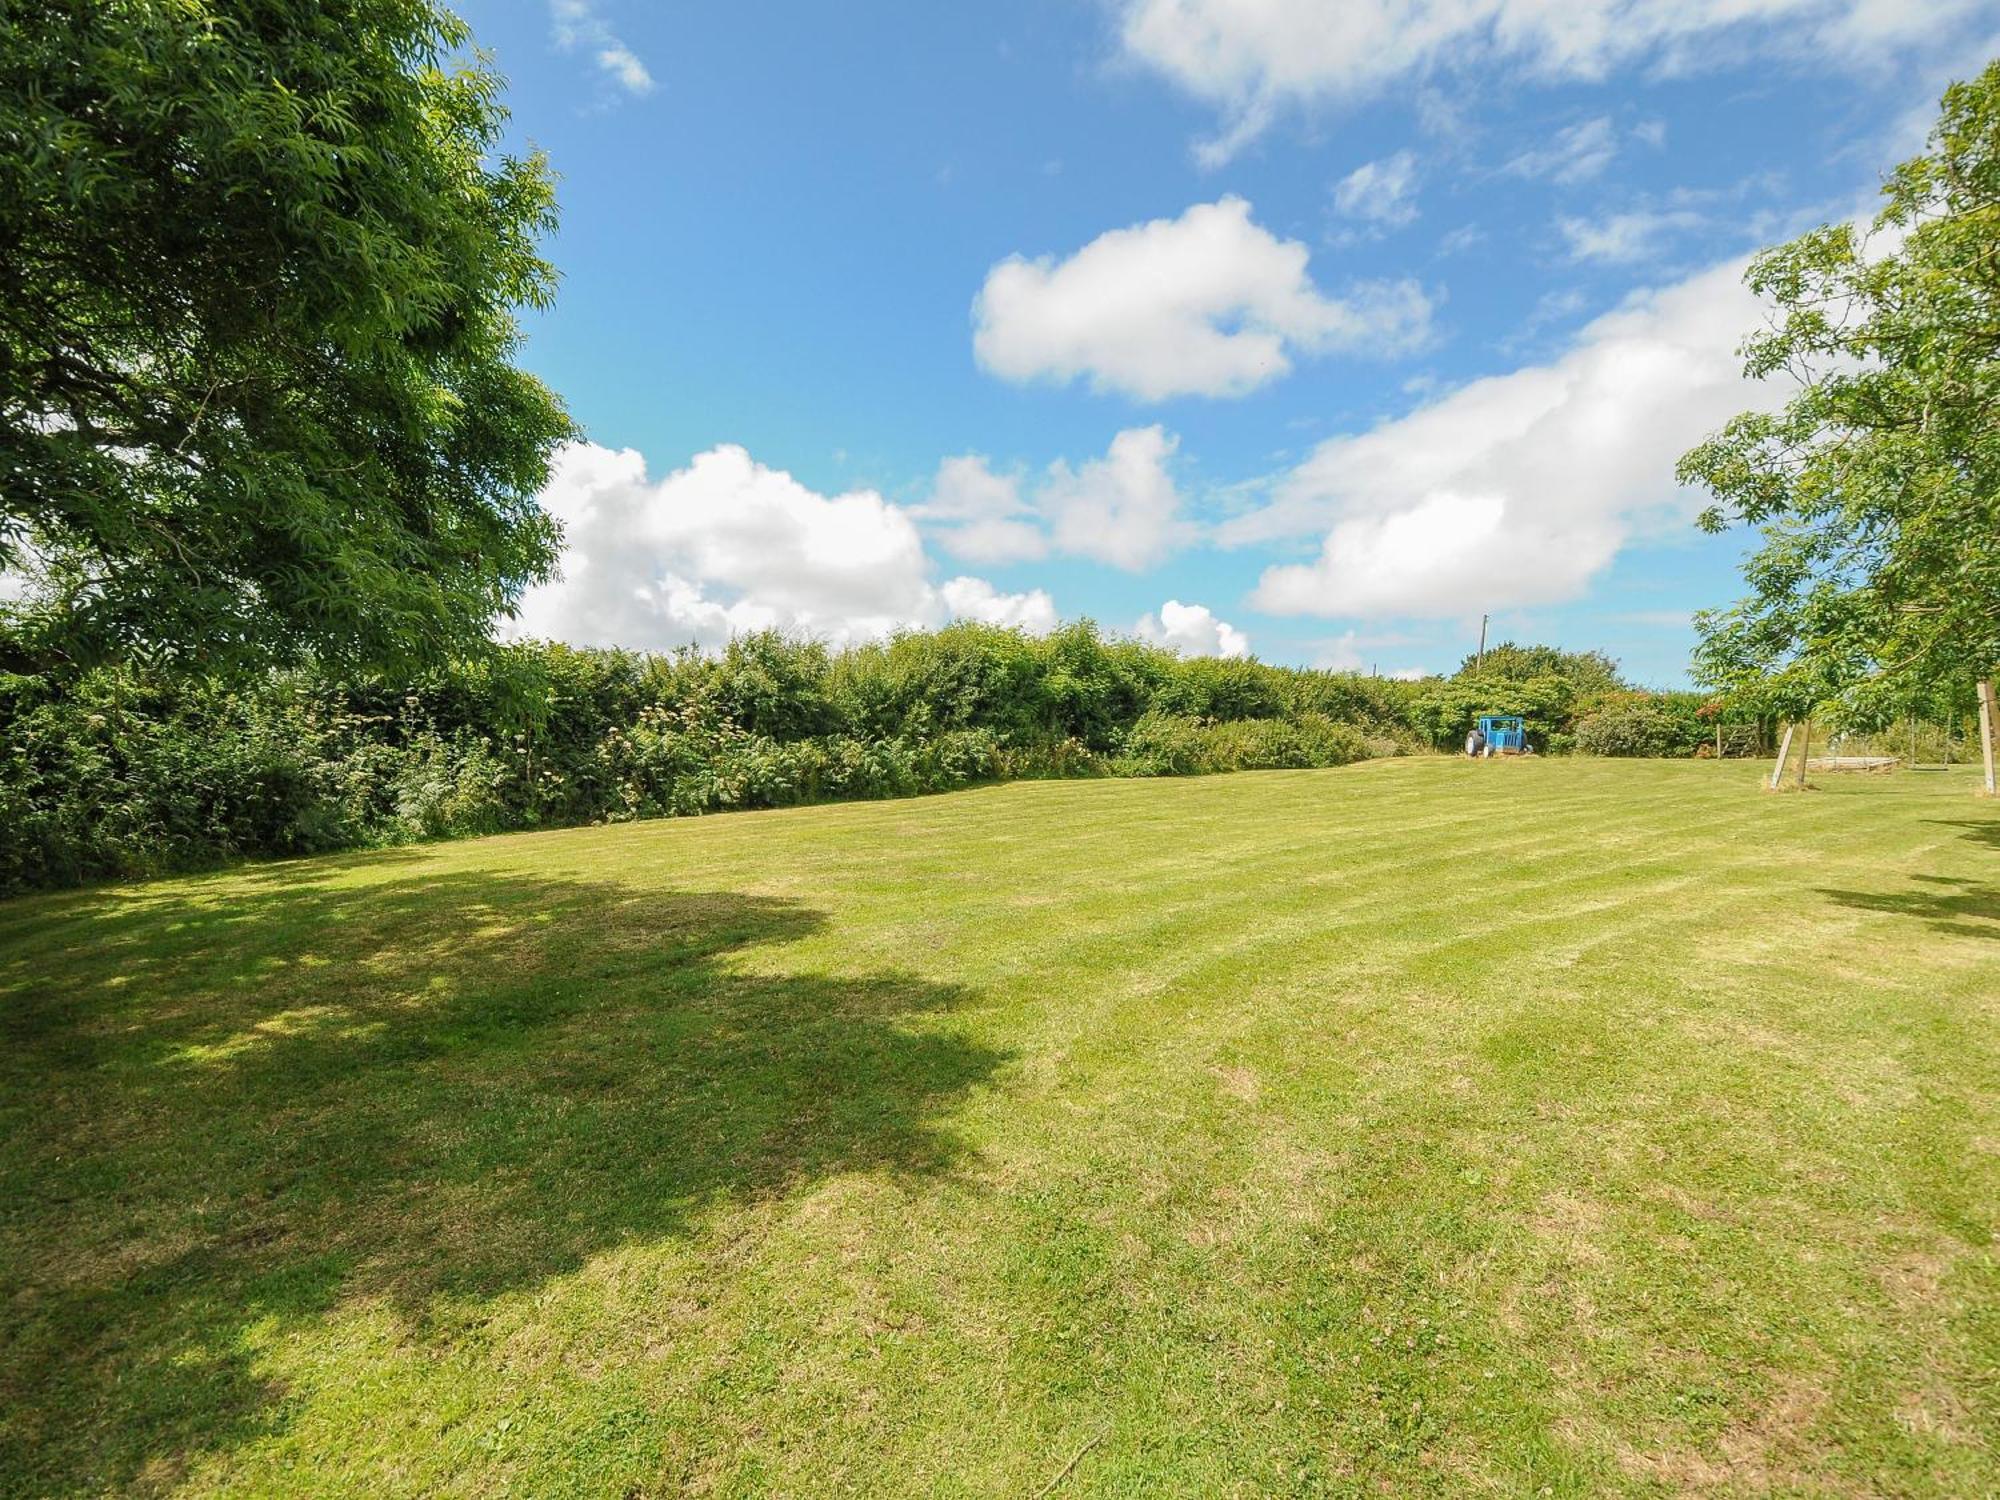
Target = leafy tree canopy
(259,263)
(1586,671)
(1878,482)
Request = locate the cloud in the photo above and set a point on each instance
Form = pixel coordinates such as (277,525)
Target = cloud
(726,546)
(1123,509)
(1621,238)
(1251,59)
(1192,630)
(1381,192)
(1208,304)
(1517,489)
(578,27)
(976,599)
(1465,237)
(979,515)
(1351,651)
(1577,153)
(1554,306)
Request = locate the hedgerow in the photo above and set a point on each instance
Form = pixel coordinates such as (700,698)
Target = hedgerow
(119,772)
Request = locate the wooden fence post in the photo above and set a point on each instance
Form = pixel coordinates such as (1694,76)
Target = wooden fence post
(1986,713)
(1784,750)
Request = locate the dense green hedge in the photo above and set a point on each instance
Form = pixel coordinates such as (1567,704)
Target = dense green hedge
(121,773)
(1655,724)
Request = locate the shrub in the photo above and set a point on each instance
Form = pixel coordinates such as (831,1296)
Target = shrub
(1278,744)
(1163,744)
(1639,725)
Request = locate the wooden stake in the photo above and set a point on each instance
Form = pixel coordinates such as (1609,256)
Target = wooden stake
(1986,716)
(1784,750)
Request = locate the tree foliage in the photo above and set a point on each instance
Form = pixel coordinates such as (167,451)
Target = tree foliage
(1585,671)
(259,268)
(1878,482)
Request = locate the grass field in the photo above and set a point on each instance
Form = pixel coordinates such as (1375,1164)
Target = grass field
(1421,1127)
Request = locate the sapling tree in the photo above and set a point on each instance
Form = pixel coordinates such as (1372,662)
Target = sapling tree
(1878,483)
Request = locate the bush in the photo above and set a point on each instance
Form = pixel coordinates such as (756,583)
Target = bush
(1177,745)
(1634,725)
(1163,744)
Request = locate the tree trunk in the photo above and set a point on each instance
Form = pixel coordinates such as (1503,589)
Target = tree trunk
(1986,714)
(1784,750)
(1805,753)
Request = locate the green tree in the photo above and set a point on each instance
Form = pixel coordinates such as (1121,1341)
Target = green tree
(1878,483)
(1587,671)
(259,268)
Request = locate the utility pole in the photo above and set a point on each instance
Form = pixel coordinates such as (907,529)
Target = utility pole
(1480,661)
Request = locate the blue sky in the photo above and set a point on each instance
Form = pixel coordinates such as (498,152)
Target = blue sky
(1311,329)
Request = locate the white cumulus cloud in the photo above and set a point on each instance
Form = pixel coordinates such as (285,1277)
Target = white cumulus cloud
(1252,58)
(981,516)
(1192,630)
(1520,488)
(1209,304)
(976,599)
(728,545)
(1124,509)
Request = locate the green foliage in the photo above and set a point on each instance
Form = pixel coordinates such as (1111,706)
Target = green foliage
(1584,671)
(1569,700)
(122,771)
(257,391)
(121,777)
(1877,483)
(1284,744)
(1649,724)
(1169,744)
(1164,744)
(1545,686)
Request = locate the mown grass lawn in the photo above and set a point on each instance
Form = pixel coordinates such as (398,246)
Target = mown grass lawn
(1422,1127)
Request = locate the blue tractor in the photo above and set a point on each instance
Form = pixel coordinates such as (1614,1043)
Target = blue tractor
(1505,734)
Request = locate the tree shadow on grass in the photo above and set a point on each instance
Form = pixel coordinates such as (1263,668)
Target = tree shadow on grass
(1947,903)
(1978,830)
(231,1103)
